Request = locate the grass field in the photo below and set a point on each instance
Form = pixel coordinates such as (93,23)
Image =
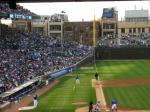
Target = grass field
(121,69)
(132,97)
(61,97)
(124,69)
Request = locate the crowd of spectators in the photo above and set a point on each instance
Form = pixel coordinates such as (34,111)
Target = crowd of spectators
(27,55)
(6,38)
(125,41)
(4,8)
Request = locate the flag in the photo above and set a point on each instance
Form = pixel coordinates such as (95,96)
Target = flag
(63,12)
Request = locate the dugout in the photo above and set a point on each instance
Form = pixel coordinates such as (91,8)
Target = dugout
(16,94)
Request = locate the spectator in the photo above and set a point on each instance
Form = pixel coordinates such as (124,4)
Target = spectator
(129,40)
(25,55)
(4,8)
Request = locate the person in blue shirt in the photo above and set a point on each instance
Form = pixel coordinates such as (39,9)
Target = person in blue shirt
(114,106)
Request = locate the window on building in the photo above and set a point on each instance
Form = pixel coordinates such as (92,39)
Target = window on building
(108,26)
(134,30)
(143,30)
(86,34)
(149,30)
(129,20)
(104,26)
(130,30)
(112,26)
(139,30)
(122,30)
(68,28)
(81,31)
(91,27)
(55,27)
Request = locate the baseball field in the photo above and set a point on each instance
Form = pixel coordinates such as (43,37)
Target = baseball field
(127,81)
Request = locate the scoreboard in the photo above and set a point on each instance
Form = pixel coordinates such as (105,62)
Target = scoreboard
(108,13)
(20,17)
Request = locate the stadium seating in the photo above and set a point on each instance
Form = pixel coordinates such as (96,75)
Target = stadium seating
(4,8)
(125,41)
(25,55)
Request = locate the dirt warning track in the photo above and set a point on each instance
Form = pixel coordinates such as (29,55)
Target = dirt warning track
(127,82)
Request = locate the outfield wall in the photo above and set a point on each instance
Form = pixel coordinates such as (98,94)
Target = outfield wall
(122,53)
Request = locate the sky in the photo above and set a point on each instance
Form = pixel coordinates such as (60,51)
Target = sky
(77,11)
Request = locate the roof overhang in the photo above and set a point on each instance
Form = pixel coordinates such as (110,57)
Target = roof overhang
(34,1)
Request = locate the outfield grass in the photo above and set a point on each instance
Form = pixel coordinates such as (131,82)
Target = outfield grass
(125,69)
(61,97)
(134,97)
(120,69)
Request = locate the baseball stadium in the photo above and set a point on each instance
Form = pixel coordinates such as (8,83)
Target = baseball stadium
(51,64)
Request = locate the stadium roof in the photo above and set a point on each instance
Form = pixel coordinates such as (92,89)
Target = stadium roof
(27,1)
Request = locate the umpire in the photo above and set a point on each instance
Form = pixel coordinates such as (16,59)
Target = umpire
(96,76)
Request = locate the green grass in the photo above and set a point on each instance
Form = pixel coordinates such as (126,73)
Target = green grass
(134,97)
(120,69)
(61,97)
(124,69)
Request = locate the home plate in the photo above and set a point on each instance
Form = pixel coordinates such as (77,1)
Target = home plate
(27,108)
